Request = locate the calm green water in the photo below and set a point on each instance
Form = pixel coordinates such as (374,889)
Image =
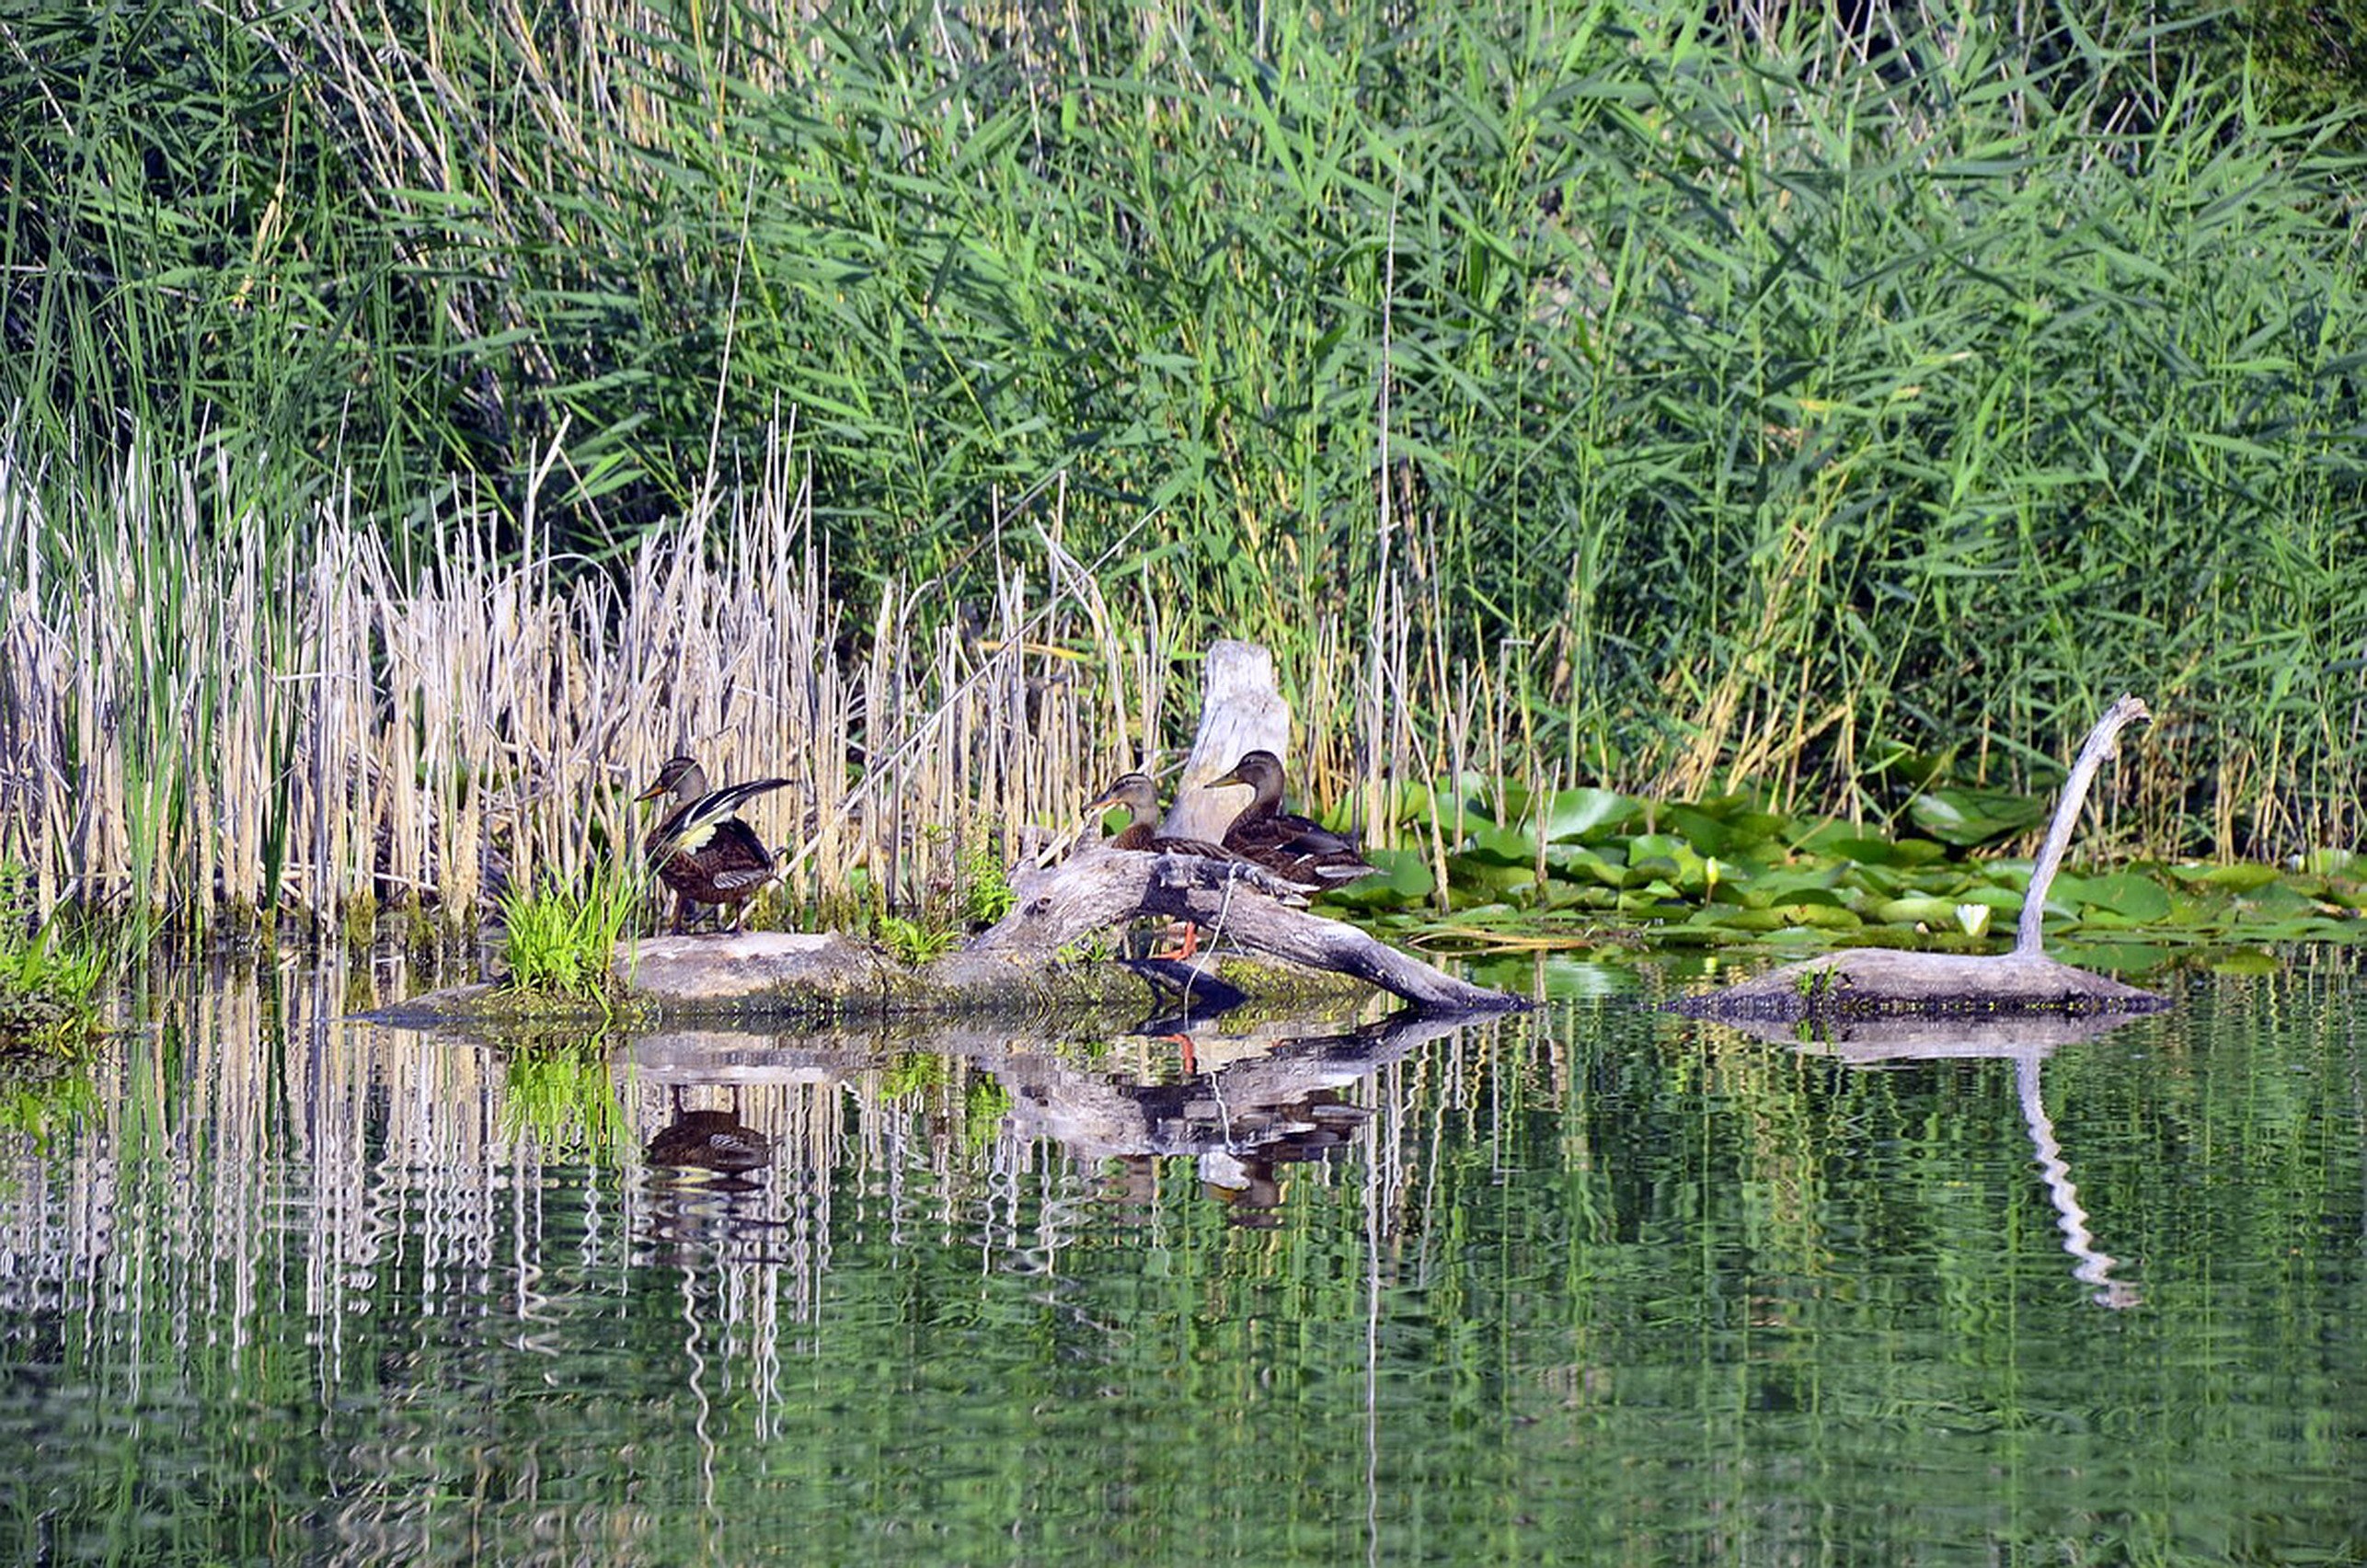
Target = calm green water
(1595,1286)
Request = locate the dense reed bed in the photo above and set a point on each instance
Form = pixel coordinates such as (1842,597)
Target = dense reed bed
(205,718)
(1756,406)
(249,717)
(204,715)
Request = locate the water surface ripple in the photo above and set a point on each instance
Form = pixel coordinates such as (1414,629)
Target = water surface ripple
(1595,1283)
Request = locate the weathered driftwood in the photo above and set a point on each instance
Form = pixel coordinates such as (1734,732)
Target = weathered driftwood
(761,975)
(1105,888)
(1874,980)
(1017,969)
(1241,711)
(1871,982)
(774,973)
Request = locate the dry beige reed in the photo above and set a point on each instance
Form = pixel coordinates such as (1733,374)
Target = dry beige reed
(266,716)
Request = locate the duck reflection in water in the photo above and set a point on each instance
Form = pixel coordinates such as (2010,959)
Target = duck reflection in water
(1249,1180)
(710,1141)
(1251,1099)
(706,1199)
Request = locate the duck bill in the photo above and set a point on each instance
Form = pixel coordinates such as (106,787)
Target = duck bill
(652,793)
(1232,778)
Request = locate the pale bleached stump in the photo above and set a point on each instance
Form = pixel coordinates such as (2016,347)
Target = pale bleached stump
(1241,711)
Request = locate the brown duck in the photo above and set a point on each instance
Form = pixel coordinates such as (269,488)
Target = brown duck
(701,850)
(1292,848)
(1140,796)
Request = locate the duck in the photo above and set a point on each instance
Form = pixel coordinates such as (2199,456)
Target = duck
(701,850)
(712,1140)
(1140,796)
(1298,850)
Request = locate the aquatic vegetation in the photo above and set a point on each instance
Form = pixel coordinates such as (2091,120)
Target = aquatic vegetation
(560,942)
(424,743)
(49,977)
(44,1095)
(912,942)
(561,1097)
(985,884)
(1589,869)
(1693,414)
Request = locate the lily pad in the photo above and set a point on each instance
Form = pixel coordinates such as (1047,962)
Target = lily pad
(2243,877)
(1791,894)
(1820,917)
(1905,852)
(1937,913)
(1404,879)
(1577,864)
(1740,919)
(1502,846)
(2123,894)
(1588,814)
(1968,817)
(1713,834)
(2277,900)
(1488,875)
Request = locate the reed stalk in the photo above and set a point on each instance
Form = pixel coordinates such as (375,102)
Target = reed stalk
(494,399)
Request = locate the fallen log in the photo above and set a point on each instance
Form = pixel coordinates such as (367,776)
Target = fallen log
(1233,902)
(759,977)
(1872,981)
(1020,967)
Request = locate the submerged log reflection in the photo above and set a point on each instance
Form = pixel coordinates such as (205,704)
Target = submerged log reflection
(2027,1043)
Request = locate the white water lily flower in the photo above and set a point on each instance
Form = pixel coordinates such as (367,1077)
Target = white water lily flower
(1973,918)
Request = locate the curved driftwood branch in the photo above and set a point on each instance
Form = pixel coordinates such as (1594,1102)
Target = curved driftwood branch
(1106,887)
(2103,742)
(1872,981)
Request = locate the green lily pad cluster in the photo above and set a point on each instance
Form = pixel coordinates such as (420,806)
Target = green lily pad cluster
(1590,867)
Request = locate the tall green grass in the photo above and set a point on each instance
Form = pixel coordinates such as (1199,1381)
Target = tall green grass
(560,944)
(1732,409)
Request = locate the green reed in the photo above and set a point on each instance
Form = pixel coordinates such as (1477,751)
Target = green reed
(561,942)
(1717,411)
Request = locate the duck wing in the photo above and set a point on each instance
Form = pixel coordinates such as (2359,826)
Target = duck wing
(693,825)
(1304,852)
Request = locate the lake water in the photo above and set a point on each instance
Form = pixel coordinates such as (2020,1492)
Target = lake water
(1594,1285)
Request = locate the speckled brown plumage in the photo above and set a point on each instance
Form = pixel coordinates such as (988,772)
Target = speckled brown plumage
(702,852)
(1140,796)
(1292,847)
